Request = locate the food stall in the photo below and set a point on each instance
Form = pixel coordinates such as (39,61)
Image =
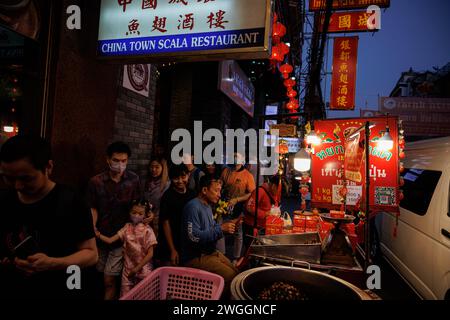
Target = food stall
(349,180)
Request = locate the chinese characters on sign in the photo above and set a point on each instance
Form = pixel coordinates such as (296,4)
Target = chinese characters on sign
(339,161)
(320,5)
(343,83)
(150,27)
(349,22)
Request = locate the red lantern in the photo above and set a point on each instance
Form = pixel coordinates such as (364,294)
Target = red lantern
(284,48)
(402,168)
(292,93)
(401,155)
(285,69)
(304,191)
(289,83)
(401,196)
(402,182)
(401,143)
(278,31)
(292,105)
(276,54)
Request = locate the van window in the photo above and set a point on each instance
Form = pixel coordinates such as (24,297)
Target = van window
(418,189)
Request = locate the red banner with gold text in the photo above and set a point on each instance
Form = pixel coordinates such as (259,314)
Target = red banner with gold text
(343,81)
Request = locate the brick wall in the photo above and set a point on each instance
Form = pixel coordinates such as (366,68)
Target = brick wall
(133,124)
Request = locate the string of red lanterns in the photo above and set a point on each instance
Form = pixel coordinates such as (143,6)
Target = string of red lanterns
(279,51)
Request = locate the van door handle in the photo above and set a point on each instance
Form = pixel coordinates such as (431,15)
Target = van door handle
(445,233)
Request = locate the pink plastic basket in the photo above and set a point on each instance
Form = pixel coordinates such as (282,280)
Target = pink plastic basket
(177,283)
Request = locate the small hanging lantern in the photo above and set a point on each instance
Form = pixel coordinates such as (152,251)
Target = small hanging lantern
(284,48)
(278,31)
(276,54)
(285,69)
(292,105)
(292,93)
(289,83)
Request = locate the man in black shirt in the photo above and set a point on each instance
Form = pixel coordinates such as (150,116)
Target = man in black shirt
(49,219)
(171,215)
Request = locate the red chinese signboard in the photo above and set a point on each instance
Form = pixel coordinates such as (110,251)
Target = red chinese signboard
(320,5)
(349,22)
(343,81)
(329,175)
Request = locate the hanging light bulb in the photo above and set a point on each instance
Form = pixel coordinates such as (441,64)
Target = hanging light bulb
(313,139)
(302,161)
(386,142)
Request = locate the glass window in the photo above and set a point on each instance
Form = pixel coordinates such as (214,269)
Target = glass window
(418,189)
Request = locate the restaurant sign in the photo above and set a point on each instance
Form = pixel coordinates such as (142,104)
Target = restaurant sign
(343,81)
(206,29)
(320,5)
(285,130)
(236,85)
(352,21)
(340,161)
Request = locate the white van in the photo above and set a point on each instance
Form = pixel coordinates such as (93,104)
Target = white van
(421,250)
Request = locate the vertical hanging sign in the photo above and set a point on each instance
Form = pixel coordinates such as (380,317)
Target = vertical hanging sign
(343,83)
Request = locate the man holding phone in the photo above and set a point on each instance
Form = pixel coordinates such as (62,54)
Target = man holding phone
(44,228)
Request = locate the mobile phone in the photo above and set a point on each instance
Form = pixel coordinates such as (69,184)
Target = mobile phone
(26,248)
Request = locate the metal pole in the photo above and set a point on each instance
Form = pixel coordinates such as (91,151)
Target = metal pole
(255,222)
(367,225)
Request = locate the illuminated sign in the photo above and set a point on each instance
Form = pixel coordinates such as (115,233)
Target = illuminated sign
(349,22)
(236,85)
(184,28)
(320,5)
(343,81)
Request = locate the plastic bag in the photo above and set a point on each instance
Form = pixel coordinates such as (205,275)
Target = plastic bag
(287,221)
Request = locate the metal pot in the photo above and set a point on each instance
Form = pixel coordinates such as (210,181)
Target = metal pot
(315,285)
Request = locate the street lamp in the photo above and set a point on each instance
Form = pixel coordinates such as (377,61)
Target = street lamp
(302,161)
(386,142)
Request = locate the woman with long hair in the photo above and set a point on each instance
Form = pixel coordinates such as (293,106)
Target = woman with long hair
(157,183)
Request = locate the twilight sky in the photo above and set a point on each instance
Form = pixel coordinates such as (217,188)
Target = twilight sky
(414,33)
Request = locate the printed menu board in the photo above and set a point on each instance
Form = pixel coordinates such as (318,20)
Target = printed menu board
(340,160)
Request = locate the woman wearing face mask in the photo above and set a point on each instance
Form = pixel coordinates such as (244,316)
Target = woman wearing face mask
(138,243)
(157,183)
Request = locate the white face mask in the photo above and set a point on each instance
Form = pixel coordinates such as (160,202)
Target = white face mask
(136,219)
(117,167)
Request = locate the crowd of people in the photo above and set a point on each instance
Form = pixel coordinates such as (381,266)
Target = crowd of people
(123,228)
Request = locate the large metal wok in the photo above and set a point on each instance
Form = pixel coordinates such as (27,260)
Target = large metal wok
(315,285)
